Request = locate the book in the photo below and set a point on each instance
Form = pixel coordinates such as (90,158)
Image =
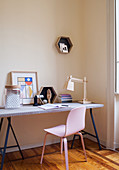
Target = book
(51,106)
(65,98)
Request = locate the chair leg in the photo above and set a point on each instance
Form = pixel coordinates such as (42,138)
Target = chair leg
(82,141)
(66,153)
(61,144)
(43,148)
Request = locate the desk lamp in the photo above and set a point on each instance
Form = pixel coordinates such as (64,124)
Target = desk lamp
(70,86)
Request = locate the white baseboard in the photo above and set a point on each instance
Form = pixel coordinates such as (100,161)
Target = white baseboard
(102,142)
(29,146)
(116,145)
(54,141)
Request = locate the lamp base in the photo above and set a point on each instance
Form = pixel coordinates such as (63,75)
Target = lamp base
(85,102)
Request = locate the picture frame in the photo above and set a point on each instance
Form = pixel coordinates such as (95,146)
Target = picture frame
(29,85)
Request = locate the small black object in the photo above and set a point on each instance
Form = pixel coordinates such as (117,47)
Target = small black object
(35,101)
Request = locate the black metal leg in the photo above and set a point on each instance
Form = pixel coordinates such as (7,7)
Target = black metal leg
(16,140)
(79,138)
(5,145)
(91,114)
(73,142)
(1,122)
(6,139)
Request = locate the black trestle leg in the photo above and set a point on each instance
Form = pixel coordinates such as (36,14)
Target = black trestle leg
(16,141)
(6,140)
(5,145)
(91,114)
(79,138)
(73,142)
(1,122)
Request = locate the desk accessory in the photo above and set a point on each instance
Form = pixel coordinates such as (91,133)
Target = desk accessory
(35,101)
(36,98)
(12,96)
(69,85)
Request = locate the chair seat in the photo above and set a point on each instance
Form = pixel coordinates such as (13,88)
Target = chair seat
(57,130)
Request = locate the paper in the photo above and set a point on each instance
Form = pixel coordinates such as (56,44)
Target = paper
(52,106)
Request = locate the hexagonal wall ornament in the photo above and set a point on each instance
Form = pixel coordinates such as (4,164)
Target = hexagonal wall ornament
(48,94)
(64,45)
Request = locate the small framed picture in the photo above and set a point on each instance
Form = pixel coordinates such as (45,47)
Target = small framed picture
(29,85)
(63,48)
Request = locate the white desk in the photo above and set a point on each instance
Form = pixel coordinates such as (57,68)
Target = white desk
(33,110)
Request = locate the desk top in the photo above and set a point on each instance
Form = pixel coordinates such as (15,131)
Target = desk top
(31,110)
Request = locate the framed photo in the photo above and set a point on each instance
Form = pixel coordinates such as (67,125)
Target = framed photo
(29,85)
(63,48)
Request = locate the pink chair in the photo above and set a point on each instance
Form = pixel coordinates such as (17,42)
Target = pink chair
(75,123)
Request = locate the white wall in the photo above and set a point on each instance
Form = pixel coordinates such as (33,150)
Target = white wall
(28,32)
(116,118)
(116,142)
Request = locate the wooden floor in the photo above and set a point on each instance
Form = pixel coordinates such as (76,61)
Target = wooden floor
(53,160)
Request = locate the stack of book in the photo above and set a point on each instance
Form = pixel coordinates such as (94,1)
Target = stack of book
(65,98)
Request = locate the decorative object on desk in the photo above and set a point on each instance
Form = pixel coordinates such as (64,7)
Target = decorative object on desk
(65,98)
(40,97)
(48,93)
(44,101)
(64,45)
(12,96)
(28,83)
(35,101)
(69,85)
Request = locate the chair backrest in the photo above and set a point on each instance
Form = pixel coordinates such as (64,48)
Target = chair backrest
(75,120)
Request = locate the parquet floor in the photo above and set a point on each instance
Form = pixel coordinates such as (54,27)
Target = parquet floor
(53,160)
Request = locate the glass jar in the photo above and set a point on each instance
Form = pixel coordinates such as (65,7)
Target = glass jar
(12,96)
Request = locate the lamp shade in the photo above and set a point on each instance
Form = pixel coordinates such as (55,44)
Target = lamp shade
(69,85)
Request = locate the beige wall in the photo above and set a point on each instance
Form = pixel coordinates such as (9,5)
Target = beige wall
(95,60)
(28,32)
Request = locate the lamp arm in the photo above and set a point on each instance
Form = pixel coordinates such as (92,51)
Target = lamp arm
(80,81)
(84,89)
(77,80)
